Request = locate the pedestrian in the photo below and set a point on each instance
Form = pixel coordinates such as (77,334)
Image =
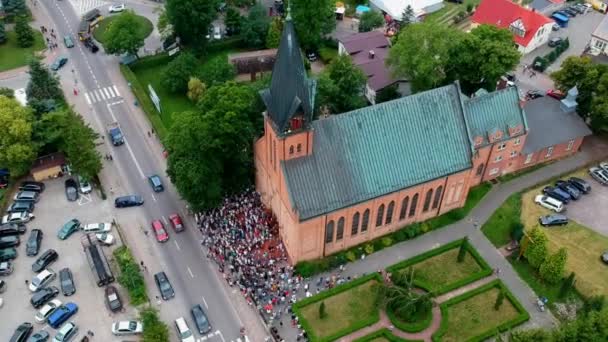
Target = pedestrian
(27,282)
(141,263)
(149,134)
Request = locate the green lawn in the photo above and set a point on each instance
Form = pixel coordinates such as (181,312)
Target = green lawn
(12,56)
(344,310)
(444,16)
(476,315)
(145,28)
(513,175)
(444,269)
(498,228)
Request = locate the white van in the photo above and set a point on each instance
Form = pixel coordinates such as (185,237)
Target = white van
(550,203)
(183,331)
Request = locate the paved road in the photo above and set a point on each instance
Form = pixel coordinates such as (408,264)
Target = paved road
(104,98)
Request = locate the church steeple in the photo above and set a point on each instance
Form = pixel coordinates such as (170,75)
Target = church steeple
(290,98)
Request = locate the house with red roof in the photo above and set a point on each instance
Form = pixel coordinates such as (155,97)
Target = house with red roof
(530,29)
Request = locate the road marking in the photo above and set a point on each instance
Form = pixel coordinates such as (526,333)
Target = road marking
(84,199)
(189,271)
(176,245)
(153,197)
(110,91)
(165,220)
(205,302)
(105,91)
(86,97)
(141,173)
(96,96)
(101,94)
(116,90)
(221,336)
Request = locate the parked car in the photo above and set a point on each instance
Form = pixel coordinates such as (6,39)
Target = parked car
(58,63)
(49,256)
(156,183)
(127,328)
(66,332)
(23,331)
(183,331)
(176,222)
(311,55)
(553,220)
(47,310)
(555,27)
(90,44)
(19,206)
(604,166)
(84,186)
(41,336)
(580,184)
(556,94)
(159,231)
(117,8)
(12,229)
(66,281)
(18,217)
(557,193)
(599,175)
(8,254)
(570,12)
(32,186)
(43,295)
(549,203)
(6,268)
(573,191)
(200,319)
(554,42)
(128,201)
(105,238)
(164,286)
(68,229)
(9,241)
(71,190)
(605,257)
(42,279)
(62,314)
(32,246)
(113,299)
(27,196)
(97,227)
(69,42)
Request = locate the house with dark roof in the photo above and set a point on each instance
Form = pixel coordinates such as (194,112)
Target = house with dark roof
(530,29)
(368,51)
(340,181)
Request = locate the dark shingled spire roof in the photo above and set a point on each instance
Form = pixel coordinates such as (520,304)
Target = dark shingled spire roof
(290,92)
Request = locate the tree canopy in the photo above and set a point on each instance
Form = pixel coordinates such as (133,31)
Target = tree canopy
(370,20)
(176,75)
(42,88)
(341,85)
(313,20)
(255,28)
(217,70)
(273,38)
(25,34)
(233,20)
(17,149)
(123,35)
(191,20)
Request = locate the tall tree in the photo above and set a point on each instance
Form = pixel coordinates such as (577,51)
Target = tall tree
(255,27)
(165,28)
(599,105)
(400,297)
(217,70)
(191,20)
(536,253)
(492,45)
(408,16)
(25,34)
(17,150)
(233,20)
(275,30)
(42,88)
(370,20)
(313,20)
(341,85)
(14,8)
(552,269)
(2,32)
(79,146)
(176,75)
(124,34)
(422,54)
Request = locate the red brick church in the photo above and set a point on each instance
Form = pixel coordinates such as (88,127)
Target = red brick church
(340,181)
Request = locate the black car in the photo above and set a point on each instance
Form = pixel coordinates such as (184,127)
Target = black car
(164,286)
(533,94)
(23,331)
(12,229)
(49,256)
(553,220)
(32,246)
(580,184)
(71,190)
(569,188)
(9,241)
(41,336)
(43,295)
(557,193)
(128,201)
(553,42)
(32,186)
(19,206)
(200,319)
(66,281)
(113,299)
(570,12)
(89,44)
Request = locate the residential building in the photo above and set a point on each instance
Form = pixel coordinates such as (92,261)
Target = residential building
(340,181)
(530,29)
(546,7)
(599,39)
(599,5)
(368,51)
(395,8)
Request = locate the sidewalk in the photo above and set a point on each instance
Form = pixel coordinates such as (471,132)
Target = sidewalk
(593,149)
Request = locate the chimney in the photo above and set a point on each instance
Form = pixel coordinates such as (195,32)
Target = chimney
(502,83)
(569,103)
(372,54)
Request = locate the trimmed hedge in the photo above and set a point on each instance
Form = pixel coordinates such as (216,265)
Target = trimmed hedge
(407,326)
(130,275)
(383,333)
(522,317)
(364,322)
(486,270)
(231,43)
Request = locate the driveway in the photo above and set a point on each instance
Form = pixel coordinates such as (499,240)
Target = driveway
(590,211)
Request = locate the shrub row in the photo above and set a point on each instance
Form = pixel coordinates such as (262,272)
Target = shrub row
(385,334)
(410,327)
(231,43)
(541,63)
(364,322)
(130,276)
(155,330)
(522,317)
(486,270)
(151,61)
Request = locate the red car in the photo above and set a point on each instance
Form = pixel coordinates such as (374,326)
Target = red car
(176,222)
(159,231)
(556,94)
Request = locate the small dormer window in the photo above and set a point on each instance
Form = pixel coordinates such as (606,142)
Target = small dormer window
(518,28)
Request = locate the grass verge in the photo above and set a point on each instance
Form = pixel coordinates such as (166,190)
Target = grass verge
(100,33)
(513,175)
(155,330)
(498,228)
(130,276)
(12,56)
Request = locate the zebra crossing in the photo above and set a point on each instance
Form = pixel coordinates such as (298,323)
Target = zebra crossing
(211,337)
(101,94)
(83,6)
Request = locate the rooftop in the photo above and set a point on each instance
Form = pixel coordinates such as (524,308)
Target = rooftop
(48,161)
(359,47)
(601,31)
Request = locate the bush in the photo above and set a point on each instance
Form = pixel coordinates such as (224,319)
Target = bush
(387,241)
(232,43)
(369,248)
(350,255)
(328,54)
(217,70)
(552,269)
(130,276)
(176,75)
(25,35)
(155,330)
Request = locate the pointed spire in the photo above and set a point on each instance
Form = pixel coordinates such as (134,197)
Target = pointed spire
(288,17)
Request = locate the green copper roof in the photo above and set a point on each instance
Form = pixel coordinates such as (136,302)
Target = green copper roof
(490,112)
(376,150)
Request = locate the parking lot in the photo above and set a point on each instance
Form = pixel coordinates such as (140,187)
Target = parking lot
(591,211)
(52,211)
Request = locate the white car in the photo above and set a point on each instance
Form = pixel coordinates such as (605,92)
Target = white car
(42,279)
(183,331)
(47,310)
(97,227)
(66,332)
(105,238)
(127,328)
(117,8)
(84,186)
(604,166)
(18,217)
(549,203)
